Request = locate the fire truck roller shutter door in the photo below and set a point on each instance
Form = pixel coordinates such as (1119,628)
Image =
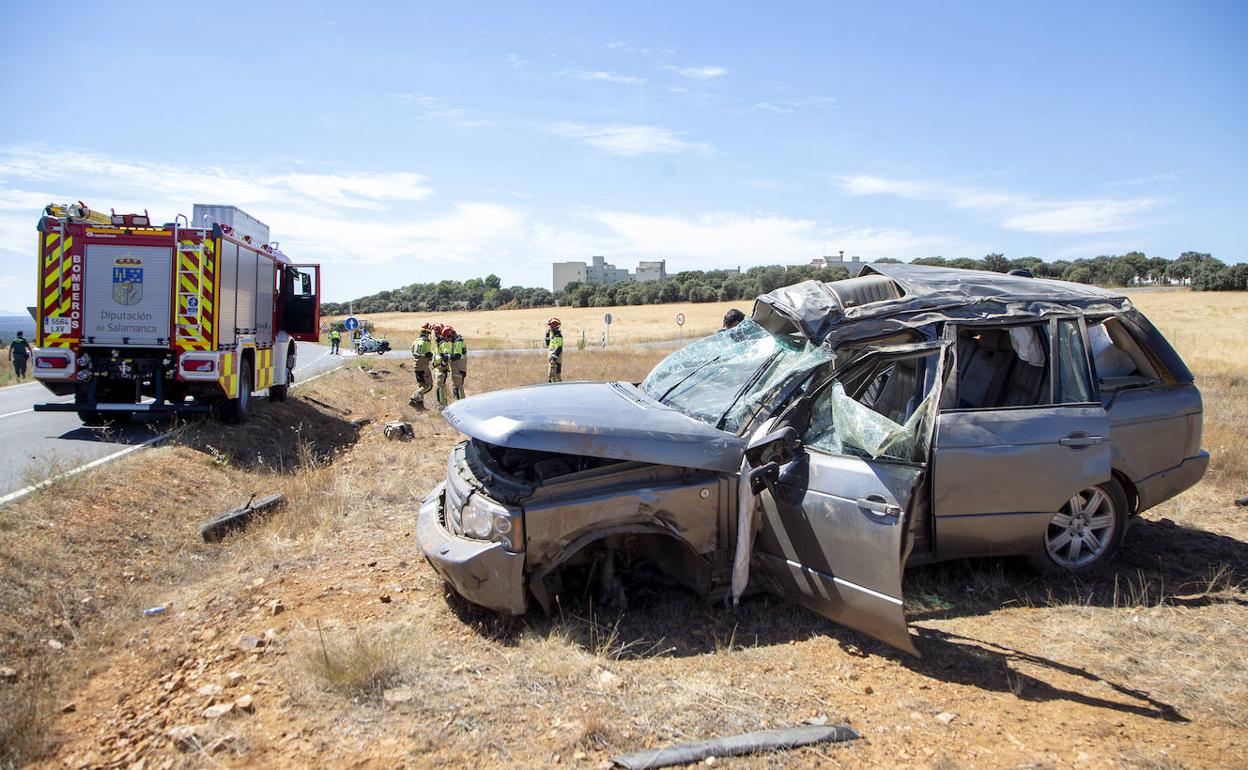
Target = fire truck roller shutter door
(127,294)
(225,301)
(246,313)
(264,301)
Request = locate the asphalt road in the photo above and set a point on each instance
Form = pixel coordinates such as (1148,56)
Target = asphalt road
(35,446)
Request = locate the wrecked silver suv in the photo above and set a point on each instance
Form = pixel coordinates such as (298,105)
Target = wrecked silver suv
(909,415)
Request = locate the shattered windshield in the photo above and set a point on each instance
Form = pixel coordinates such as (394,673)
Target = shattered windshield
(727,377)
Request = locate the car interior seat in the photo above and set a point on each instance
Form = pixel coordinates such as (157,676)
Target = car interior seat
(982,367)
(990,373)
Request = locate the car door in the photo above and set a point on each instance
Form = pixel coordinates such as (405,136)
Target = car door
(834,519)
(1001,472)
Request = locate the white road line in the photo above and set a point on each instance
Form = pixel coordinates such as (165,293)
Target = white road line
(114,456)
(80,469)
(24,411)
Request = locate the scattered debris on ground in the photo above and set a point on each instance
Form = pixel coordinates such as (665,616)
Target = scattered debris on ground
(215,530)
(734,746)
(397,430)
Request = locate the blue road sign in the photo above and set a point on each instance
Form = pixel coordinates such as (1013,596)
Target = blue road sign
(352,323)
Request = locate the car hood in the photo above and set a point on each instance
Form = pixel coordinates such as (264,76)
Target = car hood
(598,419)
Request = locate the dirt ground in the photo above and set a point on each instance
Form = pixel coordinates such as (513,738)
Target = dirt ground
(320,637)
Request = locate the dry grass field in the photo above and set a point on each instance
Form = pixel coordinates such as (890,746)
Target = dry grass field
(516,329)
(321,638)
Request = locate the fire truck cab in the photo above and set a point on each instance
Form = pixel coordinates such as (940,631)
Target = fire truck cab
(188,316)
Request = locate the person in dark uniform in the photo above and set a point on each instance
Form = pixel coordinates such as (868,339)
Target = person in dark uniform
(19,354)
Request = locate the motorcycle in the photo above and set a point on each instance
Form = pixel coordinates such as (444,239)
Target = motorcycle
(372,345)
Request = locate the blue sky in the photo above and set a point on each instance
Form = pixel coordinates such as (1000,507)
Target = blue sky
(401,142)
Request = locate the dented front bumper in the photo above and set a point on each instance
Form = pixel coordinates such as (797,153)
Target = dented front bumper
(481,571)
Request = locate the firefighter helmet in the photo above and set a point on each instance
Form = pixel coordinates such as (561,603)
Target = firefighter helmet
(426,327)
(553,323)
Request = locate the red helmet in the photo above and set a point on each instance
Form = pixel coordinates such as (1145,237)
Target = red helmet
(447,331)
(426,327)
(553,322)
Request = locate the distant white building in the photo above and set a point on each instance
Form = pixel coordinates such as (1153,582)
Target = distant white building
(602,272)
(854,265)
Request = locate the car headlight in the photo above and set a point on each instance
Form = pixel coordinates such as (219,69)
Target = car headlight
(477,521)
(483,519)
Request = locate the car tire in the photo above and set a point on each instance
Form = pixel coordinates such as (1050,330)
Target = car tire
(280,392)
(1084,536)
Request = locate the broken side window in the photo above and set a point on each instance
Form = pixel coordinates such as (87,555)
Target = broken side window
(883,412)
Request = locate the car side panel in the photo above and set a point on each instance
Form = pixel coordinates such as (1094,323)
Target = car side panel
(1148,427)
(998,475)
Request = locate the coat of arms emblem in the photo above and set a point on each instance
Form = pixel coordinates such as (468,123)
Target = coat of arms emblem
(128,280)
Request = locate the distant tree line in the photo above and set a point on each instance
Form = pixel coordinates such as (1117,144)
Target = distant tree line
(473,294)
(1201,271)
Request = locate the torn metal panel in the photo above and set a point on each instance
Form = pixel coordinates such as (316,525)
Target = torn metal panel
(735,746)
(688,510)
(924,295)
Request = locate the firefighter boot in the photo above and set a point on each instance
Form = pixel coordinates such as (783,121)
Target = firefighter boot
(418,401)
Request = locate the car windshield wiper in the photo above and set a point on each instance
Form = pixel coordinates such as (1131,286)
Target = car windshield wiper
(700,367)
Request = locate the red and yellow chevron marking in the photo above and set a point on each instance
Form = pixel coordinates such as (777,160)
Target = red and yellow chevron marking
(208,292)
(191,278)
(229,374)
(264,368)
(56,285)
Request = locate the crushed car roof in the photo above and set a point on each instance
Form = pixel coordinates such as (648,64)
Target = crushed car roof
(890,298)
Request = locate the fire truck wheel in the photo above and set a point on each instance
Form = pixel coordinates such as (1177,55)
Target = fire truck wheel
(96,418)
(93,418)
(235,409)
(278,392)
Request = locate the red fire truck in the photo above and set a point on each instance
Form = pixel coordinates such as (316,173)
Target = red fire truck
(189,316)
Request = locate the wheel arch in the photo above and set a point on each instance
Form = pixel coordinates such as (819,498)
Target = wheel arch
(686,557)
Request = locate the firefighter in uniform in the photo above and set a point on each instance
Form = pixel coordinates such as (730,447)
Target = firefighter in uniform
(422,355)
(441,362)
(459,363)
(554,348)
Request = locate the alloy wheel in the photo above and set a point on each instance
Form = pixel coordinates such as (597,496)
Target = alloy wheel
(1081,534)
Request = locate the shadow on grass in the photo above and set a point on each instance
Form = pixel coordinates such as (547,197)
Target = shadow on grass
(1160,562)
(279,437)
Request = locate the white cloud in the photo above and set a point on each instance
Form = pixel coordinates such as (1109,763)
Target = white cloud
(698,73)
(1015,211)
(433,108)
(627,46)
(788,106)
(352,220)
(629,139)
(516,61)
(605,77)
